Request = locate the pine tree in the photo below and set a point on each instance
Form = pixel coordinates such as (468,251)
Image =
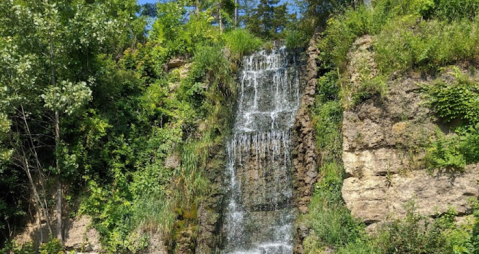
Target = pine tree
(268,19)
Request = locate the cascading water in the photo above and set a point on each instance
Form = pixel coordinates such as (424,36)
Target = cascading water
(259,217)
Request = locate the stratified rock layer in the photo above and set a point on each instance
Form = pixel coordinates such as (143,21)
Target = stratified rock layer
(383,158)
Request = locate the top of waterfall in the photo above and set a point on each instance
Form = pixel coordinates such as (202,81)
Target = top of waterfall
(270,91)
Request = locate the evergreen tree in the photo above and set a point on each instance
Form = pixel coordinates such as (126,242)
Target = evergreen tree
(268,19)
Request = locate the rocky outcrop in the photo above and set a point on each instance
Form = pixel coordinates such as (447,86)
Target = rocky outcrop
(305,159)
(79,235)
(156,244)
(383,143)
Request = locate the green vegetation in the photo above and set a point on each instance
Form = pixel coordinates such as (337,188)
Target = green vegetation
(456,104)
(240,42)
(409,34)
(330,220)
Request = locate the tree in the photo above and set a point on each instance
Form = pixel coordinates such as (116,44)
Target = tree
(149,10)
(245,9)
(268,19)
(48,49)
(317,12)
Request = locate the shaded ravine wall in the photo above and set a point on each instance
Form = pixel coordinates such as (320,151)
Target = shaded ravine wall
(304,154)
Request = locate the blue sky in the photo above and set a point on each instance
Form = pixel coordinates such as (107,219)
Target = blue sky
(146,1)
(290,5)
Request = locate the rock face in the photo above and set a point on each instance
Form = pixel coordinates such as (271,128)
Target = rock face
(156,245)
(211,209)
(80,236)
(383,158)
(304,154)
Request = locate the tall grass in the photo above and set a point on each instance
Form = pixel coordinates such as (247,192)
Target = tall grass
(241,42)
(409,34)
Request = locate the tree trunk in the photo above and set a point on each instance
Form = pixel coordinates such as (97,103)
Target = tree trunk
(57,147)
(26,166)
(59,184)
(37,197)
(368,4)
(219,17)
(236,14)
(197,7)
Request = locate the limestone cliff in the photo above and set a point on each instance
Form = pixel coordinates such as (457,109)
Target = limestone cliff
(382,151)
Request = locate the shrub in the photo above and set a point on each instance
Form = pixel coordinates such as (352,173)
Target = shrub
(330,220)
(211,68)
(405,44)
(295,39)
(376,86)
(341,33)
(410,34)
(456,102)
(456,9)
(445,154)
(415,234)
(469,145)
(52,247)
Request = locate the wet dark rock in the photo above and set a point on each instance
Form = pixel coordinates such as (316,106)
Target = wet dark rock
(304,155)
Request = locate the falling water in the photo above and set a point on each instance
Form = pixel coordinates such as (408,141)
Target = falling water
(259,217)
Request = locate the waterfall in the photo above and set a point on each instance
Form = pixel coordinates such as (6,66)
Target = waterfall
(259,216)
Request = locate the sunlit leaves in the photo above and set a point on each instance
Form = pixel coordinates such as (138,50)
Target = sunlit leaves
(67,97)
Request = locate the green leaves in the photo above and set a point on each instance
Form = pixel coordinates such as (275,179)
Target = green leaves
(67,97)
(445,154)
(457,101)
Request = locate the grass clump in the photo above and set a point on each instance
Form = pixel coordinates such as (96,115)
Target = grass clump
(331,222)
(409,34)
(241,42)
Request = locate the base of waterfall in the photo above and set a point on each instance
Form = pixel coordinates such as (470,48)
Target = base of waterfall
(268,248)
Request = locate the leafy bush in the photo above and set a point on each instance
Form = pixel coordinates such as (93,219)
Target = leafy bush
(456,9)
(445,154)
(469,144)
(52,247)
(341,33)
(405,44)
(368,89)
(457,101)
(330,220)
(415,234)
(406,37)
(295,38)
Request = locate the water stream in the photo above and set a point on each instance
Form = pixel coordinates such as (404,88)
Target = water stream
(259,217)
